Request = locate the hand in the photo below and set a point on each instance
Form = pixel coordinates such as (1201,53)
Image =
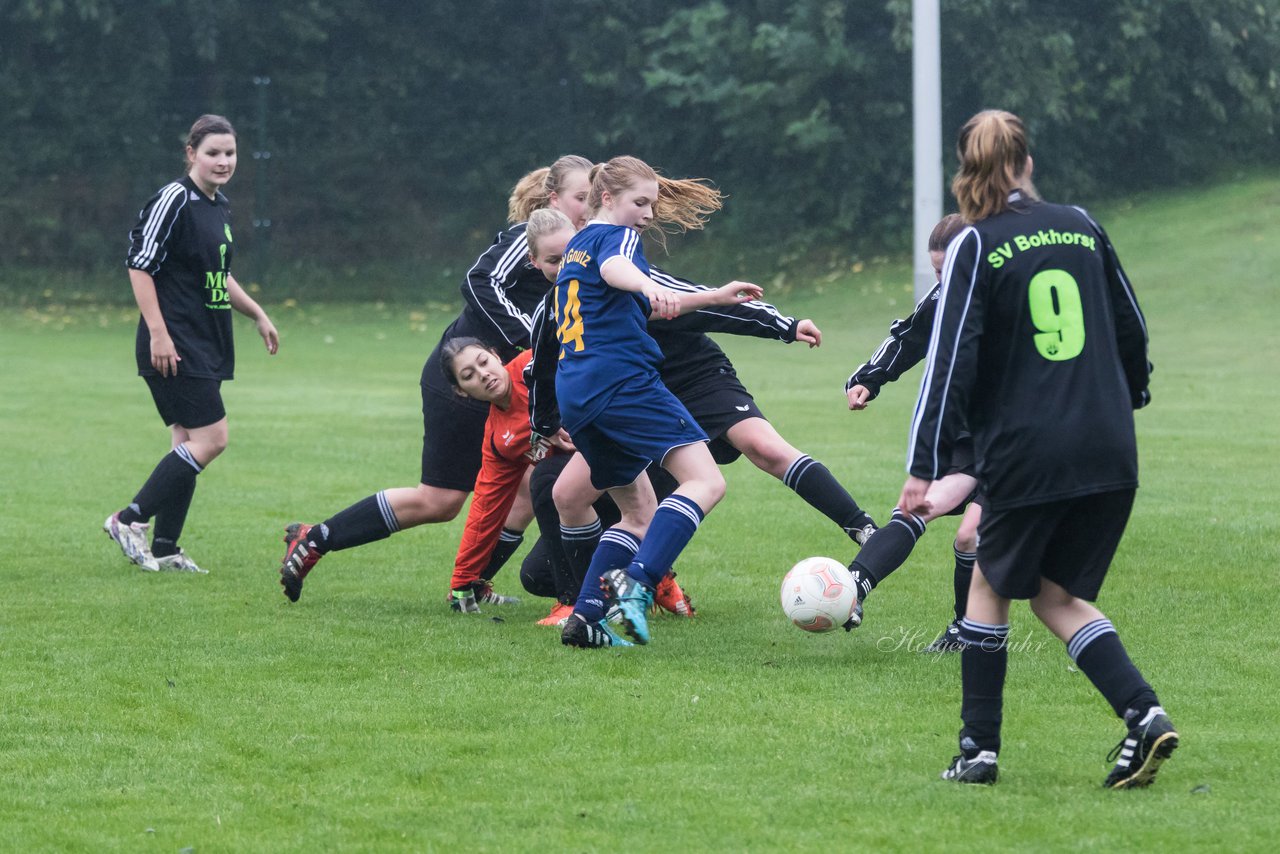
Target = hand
(808,333)
(269,335)
(664,302)
(164,356)
(737,292)
(914,497)
(858,397)
(562,441)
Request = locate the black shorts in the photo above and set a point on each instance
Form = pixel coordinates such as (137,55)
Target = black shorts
(962,456)
(718,407)
(189,402)
(452,431)
(1069,542)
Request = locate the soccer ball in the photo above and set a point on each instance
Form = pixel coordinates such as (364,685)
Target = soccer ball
(818,594)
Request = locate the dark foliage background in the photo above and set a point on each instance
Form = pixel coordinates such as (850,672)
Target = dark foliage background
(379,139)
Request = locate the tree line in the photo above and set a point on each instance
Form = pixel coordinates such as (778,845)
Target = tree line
(388,133)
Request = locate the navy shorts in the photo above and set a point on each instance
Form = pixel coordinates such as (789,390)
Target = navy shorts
(1069,542)
(642,424)
(189,402)
(717,407)
(452,432)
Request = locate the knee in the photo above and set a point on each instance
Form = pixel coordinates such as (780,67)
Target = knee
(713,487)
(966,541)
(768,456)
(437,505)
(206,449)
(570,501)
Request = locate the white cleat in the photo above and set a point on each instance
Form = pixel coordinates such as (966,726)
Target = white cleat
(132,540)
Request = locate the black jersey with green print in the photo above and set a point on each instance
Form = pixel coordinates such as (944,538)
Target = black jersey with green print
(183,240)
(1039,346)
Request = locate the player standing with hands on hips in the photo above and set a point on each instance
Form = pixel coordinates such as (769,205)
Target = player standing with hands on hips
(180,268)
(1040,348)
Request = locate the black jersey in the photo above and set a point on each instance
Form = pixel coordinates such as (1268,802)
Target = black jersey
(1039,341)
(183,241)
(501,291)
(692,363)
(907,344)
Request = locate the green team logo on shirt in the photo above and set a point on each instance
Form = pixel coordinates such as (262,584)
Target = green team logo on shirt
(226,227)
(215,284)
(1053,298)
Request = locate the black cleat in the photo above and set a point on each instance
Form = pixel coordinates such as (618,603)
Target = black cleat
(980,769)
(861,535)
(1139,754)
(948,641)
(578,632)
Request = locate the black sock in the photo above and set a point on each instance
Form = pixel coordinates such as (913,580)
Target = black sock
(579,545)
(172,478)
(1098,652)
(368,520)
(163,547)
(983,663)
(508,542)
(887,549)
(963,576)
(813,482)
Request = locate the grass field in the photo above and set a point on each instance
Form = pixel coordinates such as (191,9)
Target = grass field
(168,712)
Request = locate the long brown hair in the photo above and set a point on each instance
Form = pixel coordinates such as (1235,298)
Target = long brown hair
(993,153)
(533,191)
(682,205)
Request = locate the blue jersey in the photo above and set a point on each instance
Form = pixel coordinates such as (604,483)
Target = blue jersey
(601,329)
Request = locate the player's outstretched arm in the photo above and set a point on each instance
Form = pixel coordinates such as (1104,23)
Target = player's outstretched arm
(730,294)
(809,333)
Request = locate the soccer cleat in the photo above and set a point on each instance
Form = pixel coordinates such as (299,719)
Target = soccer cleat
(299,558)
(633,599)
(980,769)
(670,597)
(485,595)
(855,618)
(464,601)
(179,562)
(1139,754)
(132,540)
(861,535)
(948,641)
(559,613)
(578,632)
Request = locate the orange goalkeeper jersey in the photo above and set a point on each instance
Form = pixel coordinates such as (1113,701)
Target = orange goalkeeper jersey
(505,459)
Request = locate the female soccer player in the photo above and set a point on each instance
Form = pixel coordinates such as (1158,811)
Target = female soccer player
(611,399)
(1040,349)
(476,371)
(500,290)
(180,269)
(889,548)
(701,376)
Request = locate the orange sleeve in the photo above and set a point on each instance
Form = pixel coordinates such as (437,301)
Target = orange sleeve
(496,488)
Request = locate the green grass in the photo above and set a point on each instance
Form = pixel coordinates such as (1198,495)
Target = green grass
(163,712)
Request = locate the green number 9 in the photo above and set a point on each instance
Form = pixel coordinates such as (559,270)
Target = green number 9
(1053,298)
